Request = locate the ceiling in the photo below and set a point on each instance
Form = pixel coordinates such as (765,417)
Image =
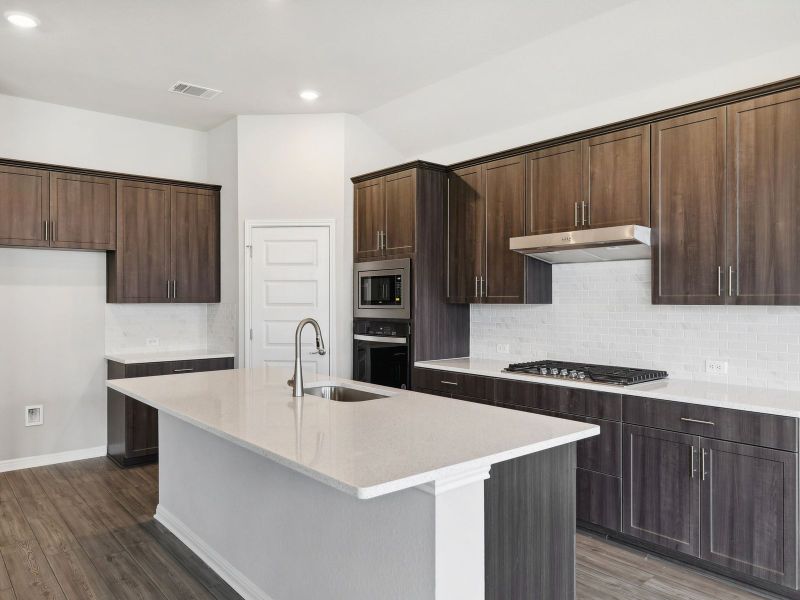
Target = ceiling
(120,57)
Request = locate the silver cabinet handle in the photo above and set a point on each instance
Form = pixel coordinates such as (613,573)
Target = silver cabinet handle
(583,213)
(167,288)
(476,287)
(687,420)
(576,214)
(383,235)
(703,465)
(174,288)
(45,231)
(589,214)
(719,281)
(483,288)
(730,281)
(448,382)
(53,230)
(182,370)
(378,338)
(694,453)
(378,239)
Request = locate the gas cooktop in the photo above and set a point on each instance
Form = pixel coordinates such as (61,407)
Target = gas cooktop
(583,372)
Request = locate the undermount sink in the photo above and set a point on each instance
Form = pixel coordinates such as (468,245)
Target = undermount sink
(341,393)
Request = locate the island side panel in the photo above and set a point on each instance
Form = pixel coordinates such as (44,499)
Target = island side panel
(272,532)
(530,526)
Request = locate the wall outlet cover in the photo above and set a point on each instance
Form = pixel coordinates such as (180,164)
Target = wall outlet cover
(152,341)
(34,415)
(502,348)
(717,367)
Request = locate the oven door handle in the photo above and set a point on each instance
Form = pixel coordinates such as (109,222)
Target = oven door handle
(380,339)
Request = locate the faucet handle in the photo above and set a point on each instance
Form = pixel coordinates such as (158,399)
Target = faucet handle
(320,351)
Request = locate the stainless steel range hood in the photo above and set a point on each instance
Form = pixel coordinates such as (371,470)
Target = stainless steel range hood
(625,242)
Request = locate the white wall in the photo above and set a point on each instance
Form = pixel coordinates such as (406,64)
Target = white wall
(639,58)
(298,167)
(53,316)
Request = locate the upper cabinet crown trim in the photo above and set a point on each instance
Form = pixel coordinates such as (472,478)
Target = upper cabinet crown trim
(10,162)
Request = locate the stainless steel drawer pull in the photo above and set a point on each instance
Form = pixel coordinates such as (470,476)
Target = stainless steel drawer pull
(693,470)
(703,465)
(448,382)
(719,281)
(182,370)
(687,420)
(576,214)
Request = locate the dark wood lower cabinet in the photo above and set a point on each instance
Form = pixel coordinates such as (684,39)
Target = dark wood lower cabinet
(749,510)
(661,488)
(132,425)
(598,499)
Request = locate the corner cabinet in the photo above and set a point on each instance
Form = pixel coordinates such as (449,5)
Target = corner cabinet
(726,204)
(167,244)
(384,216)
(486,207)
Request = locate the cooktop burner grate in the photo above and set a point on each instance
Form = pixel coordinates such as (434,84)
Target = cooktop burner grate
(587,372)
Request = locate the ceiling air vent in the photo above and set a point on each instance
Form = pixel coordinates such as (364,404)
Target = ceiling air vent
(197,91)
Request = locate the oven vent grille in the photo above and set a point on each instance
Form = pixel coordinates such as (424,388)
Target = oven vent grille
(196,91)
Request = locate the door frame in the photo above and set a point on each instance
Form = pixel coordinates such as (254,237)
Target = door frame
(252,224)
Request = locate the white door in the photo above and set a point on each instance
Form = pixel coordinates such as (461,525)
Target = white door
(290,280)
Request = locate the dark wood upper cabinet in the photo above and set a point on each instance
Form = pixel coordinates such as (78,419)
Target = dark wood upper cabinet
(749,510)
(400,192)
(555,189)
(83,211)
(369,209)
(168,244)
(688,235)
(764,200)
(195,245)
(616,178)
(140,267)
(661,488)
(504,191)
(466,234)
(24,206)
(486,207)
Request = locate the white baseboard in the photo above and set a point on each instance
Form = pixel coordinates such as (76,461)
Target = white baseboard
(28,462)
(230,574)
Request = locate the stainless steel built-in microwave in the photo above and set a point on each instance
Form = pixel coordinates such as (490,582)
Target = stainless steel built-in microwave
(382,289)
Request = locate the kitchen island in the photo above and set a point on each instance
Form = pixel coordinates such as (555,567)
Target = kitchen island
(380,499)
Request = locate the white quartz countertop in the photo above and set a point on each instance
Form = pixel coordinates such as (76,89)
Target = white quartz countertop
(775,402)
(132,358)
(368,448)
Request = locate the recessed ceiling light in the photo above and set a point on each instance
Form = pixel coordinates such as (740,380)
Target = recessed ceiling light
(309,95)
(22,20)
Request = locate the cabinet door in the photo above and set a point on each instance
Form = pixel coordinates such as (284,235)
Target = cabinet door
(142,257)
(764,199)
(400,192)
(749,510)
(661,488)
(466,234)
(504,193)
(194,236)
(141,420)
(616,175)
(555,189)
(370,217)
(25,206)
(83,212)
(689,209)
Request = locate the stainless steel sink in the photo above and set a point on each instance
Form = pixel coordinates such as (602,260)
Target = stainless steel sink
(341,393)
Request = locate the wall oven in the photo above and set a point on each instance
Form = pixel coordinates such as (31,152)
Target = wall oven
(382,289)
(381,353)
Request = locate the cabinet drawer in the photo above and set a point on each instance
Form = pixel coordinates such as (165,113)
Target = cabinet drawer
(758,429)
(461,384)
(559,399)
(598,499)
(178,366)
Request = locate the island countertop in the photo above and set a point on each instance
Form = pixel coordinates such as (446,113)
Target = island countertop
(366,449)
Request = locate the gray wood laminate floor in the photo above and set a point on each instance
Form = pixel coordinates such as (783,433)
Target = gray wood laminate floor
(84,530)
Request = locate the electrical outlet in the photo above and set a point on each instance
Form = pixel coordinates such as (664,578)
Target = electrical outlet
(152,341)
(717,367)
(502,348)
(34,415)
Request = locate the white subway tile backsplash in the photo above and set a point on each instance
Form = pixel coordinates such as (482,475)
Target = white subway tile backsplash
(601,313)
(176,326)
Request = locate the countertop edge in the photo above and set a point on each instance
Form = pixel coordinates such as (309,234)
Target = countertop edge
(136,358)
(616,389)
(374,491)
